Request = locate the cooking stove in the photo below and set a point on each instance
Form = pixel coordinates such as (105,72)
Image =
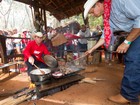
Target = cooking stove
(55,85)
(50,86)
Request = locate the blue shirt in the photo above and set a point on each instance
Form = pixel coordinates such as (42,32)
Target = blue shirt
(125,15)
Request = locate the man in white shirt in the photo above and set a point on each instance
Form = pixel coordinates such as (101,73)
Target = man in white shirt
(83,33)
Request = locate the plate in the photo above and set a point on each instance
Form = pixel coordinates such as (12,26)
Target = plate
(57,74)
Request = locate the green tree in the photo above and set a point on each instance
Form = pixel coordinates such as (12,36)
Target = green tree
(93,21)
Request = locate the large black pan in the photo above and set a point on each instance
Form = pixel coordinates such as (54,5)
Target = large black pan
(50,61)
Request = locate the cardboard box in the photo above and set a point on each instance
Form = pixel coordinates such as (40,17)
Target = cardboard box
(58,40)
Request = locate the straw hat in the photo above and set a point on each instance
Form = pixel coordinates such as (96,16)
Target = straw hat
(87,6)
(39,34)
(23,30)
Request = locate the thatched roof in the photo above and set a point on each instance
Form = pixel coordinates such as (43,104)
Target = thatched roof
(60,9)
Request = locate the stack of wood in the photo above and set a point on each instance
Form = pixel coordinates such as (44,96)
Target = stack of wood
(19,97)
(13,101)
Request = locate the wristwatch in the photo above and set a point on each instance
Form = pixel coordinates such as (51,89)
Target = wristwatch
(127,42)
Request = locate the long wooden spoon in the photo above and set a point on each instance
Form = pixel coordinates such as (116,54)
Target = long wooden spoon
(39,69)
(80,57)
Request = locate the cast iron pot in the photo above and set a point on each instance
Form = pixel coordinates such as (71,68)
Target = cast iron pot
(37,76)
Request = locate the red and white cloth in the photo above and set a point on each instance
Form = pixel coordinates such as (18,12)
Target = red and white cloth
(106,17)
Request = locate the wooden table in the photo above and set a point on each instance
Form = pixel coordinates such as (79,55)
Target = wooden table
(8,65)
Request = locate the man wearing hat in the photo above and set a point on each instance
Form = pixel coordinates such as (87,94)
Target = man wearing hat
(34,51)
(121,15)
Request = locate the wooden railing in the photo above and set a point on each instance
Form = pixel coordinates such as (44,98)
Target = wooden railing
(3,55)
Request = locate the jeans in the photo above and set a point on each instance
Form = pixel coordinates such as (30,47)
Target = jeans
(60,51)
(82,47)
(130,87)
(30,67)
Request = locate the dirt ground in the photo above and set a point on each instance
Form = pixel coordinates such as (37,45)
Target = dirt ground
(78,94)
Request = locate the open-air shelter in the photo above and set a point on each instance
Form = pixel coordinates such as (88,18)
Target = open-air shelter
(60,9)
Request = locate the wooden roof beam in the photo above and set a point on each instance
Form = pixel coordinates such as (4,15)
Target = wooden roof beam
(71,5)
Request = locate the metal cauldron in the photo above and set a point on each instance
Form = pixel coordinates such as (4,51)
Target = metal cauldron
(37,76)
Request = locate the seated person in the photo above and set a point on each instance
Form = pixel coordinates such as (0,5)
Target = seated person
(34,52)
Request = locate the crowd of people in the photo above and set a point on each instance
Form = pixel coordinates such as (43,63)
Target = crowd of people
(75,46)
(15,41)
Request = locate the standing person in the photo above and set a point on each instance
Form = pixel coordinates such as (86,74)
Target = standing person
(83,33)
(9,44)
(97,32)
(60,48)
(34,52)
(70,44)
(24,41)
(17,42)
(83,43)
(121,15)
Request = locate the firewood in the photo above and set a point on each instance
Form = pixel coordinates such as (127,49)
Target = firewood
(87,80)
(13,101)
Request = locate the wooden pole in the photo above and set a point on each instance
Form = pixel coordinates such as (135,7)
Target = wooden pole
(45,20)
(3,48)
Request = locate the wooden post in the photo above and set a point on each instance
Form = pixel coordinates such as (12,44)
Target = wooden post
(45,21)
(3,51)
(3,48)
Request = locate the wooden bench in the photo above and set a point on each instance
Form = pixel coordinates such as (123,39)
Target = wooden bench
(8,65)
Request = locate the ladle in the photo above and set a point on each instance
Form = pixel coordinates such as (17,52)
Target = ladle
(39,69)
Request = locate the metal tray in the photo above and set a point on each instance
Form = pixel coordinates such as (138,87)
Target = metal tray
(75,71)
